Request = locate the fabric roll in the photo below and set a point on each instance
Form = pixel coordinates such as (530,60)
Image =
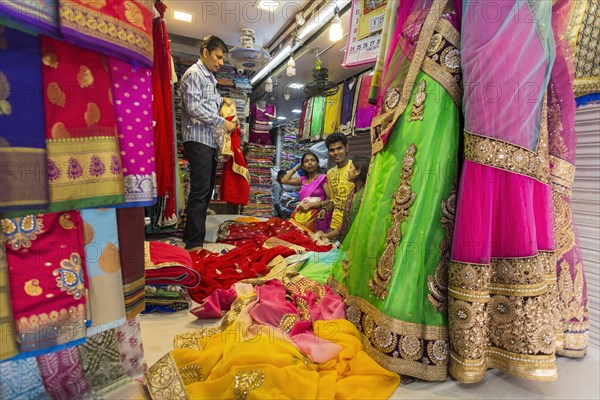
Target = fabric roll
(132,100)
(131,239)
(84,165)
(22,139)
(103,266)
(168,264)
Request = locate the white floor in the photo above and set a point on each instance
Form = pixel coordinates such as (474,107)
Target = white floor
(578,379)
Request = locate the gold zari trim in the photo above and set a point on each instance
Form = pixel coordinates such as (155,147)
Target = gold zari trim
(387,119)
(562,176)
(583,34)
(107,28)
(163,380)
(403,199)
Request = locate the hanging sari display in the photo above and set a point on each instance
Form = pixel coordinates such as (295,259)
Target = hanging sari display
(392,263)
(302,121)
(7,323)
(103,267)
(121,28)
(573,318)
(582,34)
(46,262)
(364,110)
(130,223)
(132,100)
(317,118)
(62,375)
(21,379)
(164,135)
(22,140)
(305,134)
(84,166)
(38,15)
(347,114)
(332,112)
(502,277)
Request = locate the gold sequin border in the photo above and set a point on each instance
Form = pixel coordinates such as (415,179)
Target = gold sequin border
(562,176)
(164,381)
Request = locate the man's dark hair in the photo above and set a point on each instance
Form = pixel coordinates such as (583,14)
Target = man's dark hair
(211,43)
(280,175)
(334,138)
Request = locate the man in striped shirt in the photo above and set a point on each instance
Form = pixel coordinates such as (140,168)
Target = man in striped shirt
(203,129)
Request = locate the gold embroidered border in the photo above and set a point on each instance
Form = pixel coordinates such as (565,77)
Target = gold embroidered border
(24,176)
(402,201)
(584,22)
(533,367)
(506,156)
(562,176)
(35,328)
(449,32)
(163,380)
(85,185)
(388,117)
(106,28)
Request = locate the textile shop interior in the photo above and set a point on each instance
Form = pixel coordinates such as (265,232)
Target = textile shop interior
(325,199)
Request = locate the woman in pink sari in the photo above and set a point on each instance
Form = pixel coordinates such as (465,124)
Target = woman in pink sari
(502,275)
(314,194)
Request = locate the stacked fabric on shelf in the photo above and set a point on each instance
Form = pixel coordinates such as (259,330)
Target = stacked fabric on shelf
(259,159)
(169,275)
(289,145)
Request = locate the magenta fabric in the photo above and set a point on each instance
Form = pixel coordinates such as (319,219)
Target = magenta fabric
(62,374)
(259,130)
(314,189)
(272,306)
(215,304)
(500,214)
(131,88)
(365,111)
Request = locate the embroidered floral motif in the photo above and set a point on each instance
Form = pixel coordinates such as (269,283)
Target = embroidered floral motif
(403,199)
(97,167)
(245,381)
(54,171)
(416,113)
(115,165)
(69,278)
(191,373)
(163,380)
(20,232)
(74,170)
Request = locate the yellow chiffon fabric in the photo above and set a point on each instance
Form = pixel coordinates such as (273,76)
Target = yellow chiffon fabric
(266,365)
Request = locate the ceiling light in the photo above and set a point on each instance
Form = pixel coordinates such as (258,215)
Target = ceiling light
(281,118)
(296,111)
(269,5)
(183,16)
(296,85)
(274,62)
(322,17)
(335,29)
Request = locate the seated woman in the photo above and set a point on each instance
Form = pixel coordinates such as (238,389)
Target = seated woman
(314,194)
(357,173)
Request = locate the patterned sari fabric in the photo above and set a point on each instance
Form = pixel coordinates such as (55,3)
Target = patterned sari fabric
(502,277)
(132,98)
(573,328)
(122,28)
(235,180)
(62,374)
(21,380)
(38,15)
(392,263)
(103,268)
(311,192)
(364,110)
(347,114)
(333,105)
(84,166)
(7,324)
(130,224)
(22,139)
(131,348)
(46,262)
(262,361)
(317,118)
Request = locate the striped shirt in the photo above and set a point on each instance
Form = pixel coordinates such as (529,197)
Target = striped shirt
(201,102)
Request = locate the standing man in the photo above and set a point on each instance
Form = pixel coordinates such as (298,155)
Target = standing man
(337,177)
(202,134)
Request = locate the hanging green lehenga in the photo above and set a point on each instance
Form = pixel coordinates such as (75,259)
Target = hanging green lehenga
(392,268)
